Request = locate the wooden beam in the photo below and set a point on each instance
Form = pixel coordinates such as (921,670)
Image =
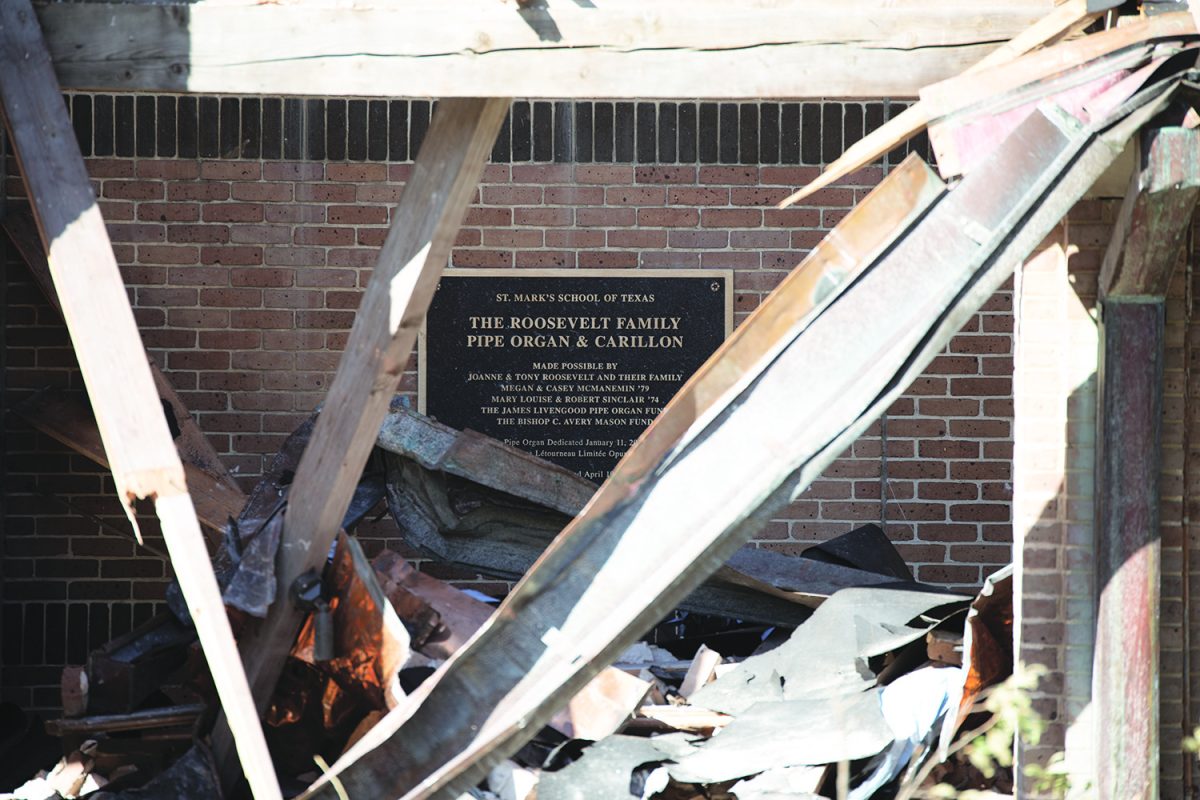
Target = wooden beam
(1147,244)
(1147,241)
(550,49)
(426,222)
(194,448)
(112,359)
(1129,550)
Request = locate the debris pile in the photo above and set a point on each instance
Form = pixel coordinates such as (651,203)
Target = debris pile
(835,655)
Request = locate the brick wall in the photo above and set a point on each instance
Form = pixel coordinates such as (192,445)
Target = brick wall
(1054,498)
(246,229)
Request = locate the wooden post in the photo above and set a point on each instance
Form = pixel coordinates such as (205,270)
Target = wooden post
(112,359)
(1128,548)
(1146,244)
(426,222)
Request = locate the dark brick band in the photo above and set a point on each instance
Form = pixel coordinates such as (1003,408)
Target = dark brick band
(339,129)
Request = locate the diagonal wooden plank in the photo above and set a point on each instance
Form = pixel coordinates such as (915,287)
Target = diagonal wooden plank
(112,359)
(426,222)
(194,448)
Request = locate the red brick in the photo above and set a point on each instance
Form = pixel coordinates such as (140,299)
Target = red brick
(668,217)
(543,216)
(168,212)
(511,238)
(724,259)
(241,255)
(356,173)
(477,215)
(733,176)
(157,296)
(511,195)
(574,195)
(537,173)
(325,319)
(325,193)
(698,196)
(788,176)
(605,217)
(324,235)
(228,297)
(199,190)
(294,256)
(638,238)
(607,259)
(343,278)
(485,258)
(198,317)
(134,190)
(468,237)
(760,240)
(233,212)
(371,237)
(116,210)
(545,259)
(378,193)
(698,239)
(136,232)
(260,234)
(604,174)
(293,340)
(635,195)
(109,168)
(231,170)
(736,218)
(342,300)
(294,213)
(230,340)
(293,298)
(357,215)
(261,318)
(168,168)
(293,171)
(212,234)
(262,192)
(198,360)
(981,428)
(167,254)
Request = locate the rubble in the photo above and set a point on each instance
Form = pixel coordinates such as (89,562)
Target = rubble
(414,689)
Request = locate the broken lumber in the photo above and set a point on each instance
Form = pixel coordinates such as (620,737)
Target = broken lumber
(137,441)
(630,555)
(166,717)
(470,500)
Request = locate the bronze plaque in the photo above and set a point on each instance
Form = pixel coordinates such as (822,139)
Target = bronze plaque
(570,365)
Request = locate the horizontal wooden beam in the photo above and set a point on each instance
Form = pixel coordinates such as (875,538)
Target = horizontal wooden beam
(552,48)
